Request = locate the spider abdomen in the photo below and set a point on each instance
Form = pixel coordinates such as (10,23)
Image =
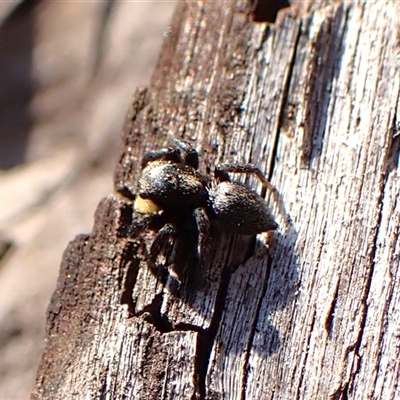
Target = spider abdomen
(240,210)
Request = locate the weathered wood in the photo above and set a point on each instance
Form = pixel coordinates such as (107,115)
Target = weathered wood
(314,312)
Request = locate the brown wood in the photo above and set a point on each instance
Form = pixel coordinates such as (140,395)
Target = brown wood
(311,312)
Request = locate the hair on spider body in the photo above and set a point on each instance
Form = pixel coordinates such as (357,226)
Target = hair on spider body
(185,205)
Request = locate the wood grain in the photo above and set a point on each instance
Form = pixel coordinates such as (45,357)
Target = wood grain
(311,312)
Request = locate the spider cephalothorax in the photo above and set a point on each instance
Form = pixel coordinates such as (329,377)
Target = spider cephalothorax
(185,204)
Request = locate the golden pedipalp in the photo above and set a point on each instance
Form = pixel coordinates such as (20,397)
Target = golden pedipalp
(145,206)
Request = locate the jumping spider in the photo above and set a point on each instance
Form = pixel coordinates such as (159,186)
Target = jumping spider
(185,205)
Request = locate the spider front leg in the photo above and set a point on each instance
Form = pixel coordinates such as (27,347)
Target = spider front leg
(166,233)
(191,157)
(153,222)
(166,154)
(221,173)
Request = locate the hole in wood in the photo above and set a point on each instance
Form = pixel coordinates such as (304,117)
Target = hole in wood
(267,10)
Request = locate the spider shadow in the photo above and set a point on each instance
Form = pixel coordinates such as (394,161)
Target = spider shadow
(281,288)
(252,276)
(245,275)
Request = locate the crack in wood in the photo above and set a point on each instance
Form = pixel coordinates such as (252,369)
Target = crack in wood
(205,339)
(253,329)
(345,388)
(331,313)
(322,72)
(394,151)
(303,366)
(264,37)
(283,110)
(340,393)
(130,278)
(364,300)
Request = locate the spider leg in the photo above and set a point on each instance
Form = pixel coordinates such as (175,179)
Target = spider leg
(167,154)
(221,173)
(191,157)
(167,232)
(203,239)
(153,222)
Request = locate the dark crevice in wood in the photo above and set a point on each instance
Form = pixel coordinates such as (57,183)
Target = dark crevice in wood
(253,329)
(266,10)
(104,392)
(340,393)
(284,104)
(321,240)
(394,153)
(384,330)
(299,392)
(367,289)
(353,70)
(345,391)
(205,339)
(126,226)
(331,313)
(319,85)
(131,276)
(265,36)
(390,163)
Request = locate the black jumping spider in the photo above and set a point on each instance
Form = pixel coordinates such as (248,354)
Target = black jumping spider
(186,205)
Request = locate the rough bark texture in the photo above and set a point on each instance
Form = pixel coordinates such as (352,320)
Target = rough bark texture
(309,313)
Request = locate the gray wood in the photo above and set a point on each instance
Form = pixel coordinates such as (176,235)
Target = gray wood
(312,311)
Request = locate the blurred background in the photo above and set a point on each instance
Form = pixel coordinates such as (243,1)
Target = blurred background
(67,74)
